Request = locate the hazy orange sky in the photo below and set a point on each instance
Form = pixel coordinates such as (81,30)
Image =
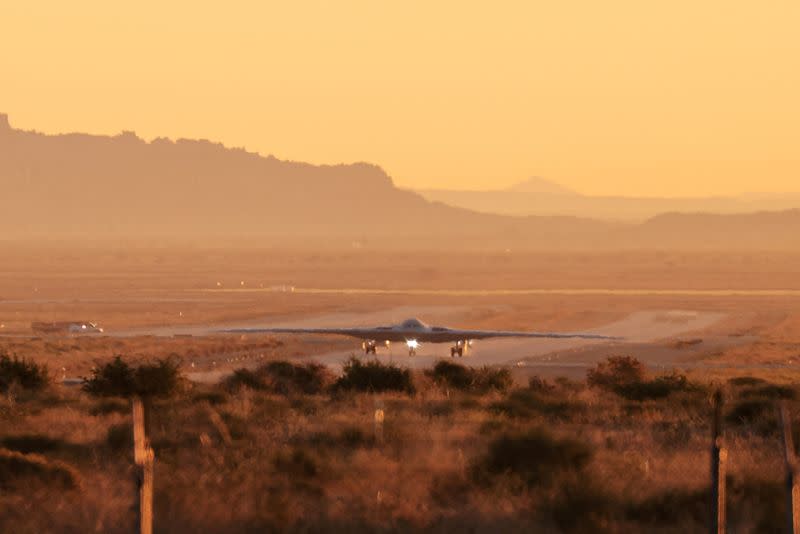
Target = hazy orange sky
(615,97)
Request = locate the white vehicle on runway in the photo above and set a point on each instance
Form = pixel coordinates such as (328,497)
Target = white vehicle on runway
(414,332)
(67,327)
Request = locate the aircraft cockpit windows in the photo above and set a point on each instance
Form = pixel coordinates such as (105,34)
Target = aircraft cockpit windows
(413,324)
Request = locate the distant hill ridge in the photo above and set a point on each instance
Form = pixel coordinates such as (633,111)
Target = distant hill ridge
(95,187)
(538,196)
(79,184)
(536,184)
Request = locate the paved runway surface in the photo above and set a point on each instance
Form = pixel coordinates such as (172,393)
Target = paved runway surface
(645,333)
(638,328)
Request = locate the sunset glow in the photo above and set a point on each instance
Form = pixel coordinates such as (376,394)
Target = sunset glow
(622,97)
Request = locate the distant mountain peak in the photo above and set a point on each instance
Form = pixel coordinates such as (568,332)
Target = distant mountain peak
(536,184)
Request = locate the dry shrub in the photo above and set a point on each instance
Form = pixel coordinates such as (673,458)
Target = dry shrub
(741,381)
(347,439)
(444,408)
(451,488)
(39,443)
(526,404)
(756,415)
(452,375)
(566,384)
(120,437)
(670,507)
(374,376)
(769,391)
(16,467)
(615,373)
(755,406)
(118,379)
(159,379)
(534,457)
(582,506)
(285,377)
(22,372)
(282,377)
(626,377)
(658,388)
(540,385)
(244,378)
(214,398)
(672,434)
(456,376)
(298,464)
(114,379)
(111,406)
(761,503)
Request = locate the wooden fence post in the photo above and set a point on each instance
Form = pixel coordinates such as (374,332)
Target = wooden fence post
(144,458)
(719,458)
(792,486)
(379,416)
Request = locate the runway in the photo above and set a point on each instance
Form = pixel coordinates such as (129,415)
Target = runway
(645,335)
(637,329)
(595,291)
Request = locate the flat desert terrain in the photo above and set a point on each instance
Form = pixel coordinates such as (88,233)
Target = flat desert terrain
(705,312)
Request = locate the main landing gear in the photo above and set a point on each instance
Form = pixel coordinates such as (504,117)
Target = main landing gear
(459,348)
(370,346)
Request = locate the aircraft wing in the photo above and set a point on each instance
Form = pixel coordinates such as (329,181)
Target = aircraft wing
(455,335)
(362,333)
(437,335)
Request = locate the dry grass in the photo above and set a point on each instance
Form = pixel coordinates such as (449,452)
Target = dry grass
(264,461)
